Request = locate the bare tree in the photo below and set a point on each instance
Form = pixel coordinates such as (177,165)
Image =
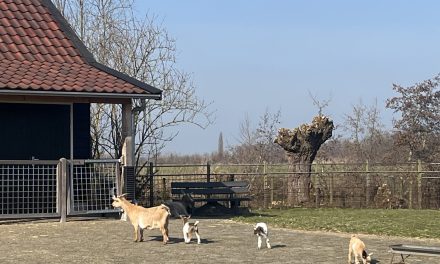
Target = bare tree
(366,132)
(321,104)
(244,151)
(265,134)
(256,143)
(354,125)
(375,139)
(354,122)
(143,49)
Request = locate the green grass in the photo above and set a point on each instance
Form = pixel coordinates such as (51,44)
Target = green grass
(404,223)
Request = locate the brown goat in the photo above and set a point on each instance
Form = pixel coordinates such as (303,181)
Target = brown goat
(141,217)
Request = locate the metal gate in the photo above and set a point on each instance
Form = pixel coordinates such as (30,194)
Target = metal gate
(92,185)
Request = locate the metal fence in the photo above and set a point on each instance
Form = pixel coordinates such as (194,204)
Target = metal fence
(38,188)
(361,185)
(28,188)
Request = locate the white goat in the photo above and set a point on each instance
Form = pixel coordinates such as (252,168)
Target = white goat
(357,248)
(261,231)
(190,228)
(141,218)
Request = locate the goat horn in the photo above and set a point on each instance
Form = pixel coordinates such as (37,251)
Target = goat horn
(122,195)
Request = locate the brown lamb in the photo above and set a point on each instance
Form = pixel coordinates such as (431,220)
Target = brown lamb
(357,248)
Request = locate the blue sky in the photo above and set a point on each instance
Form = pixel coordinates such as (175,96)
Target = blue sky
(247,56)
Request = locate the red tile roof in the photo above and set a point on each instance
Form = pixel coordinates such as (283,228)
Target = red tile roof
(39,52)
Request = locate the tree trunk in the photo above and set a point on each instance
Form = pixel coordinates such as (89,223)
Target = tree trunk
(299,184)
(301,145)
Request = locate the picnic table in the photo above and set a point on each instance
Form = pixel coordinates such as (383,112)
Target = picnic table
(231,192)
(405,251)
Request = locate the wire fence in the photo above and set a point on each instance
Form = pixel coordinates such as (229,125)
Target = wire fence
(47,188)
(360,185)
(33,192)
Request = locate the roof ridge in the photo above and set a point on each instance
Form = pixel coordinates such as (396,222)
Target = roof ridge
(41,53)
(69,31)
(87,55)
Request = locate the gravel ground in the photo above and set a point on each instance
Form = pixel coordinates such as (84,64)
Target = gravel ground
(223,241)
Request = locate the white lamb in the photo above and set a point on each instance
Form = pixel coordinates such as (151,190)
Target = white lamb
(189,229)
(261,231)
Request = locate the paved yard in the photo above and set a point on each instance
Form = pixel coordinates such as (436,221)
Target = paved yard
(223,241)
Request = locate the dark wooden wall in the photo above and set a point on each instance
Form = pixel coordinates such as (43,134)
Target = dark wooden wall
(42,131)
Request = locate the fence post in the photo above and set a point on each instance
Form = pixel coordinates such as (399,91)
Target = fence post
(316,185)
(62,177)
(164,189)
(331,186)
(367,185)
(208,176)
(419,184)
(411,186)
(208,172)
(265,187)
(272,187)
(118,180)
(151,172)
(410,206)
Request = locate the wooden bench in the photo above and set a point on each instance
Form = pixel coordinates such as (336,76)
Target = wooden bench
(232,192)
(405,251)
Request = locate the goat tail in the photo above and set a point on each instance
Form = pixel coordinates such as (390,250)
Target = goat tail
(166,208)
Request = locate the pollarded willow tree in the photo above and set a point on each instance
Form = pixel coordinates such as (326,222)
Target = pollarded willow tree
(143,49)
(301,145)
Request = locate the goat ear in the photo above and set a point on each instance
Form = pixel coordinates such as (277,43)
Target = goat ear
(114,198)
(370,254)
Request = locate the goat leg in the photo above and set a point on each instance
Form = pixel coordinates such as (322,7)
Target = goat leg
(349,255)
(198,237)
(141,232)
(136,231)
(164,235)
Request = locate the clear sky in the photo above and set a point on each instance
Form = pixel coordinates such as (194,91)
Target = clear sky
(247,56)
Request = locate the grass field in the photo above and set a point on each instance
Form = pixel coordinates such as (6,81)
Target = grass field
(404,223)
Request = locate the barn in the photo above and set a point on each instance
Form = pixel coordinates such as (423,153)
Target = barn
(48,80)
